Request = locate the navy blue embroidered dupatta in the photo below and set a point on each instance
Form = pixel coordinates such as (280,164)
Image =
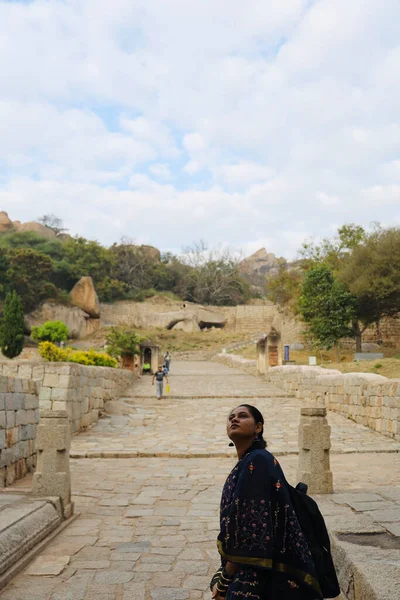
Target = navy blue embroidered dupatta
(258,525)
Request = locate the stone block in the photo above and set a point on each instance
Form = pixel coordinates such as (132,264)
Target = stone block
(45,404)
(13,436)
(30,417)
(10,418)
(38,372)
(21,417)
(2,419)
(10,474)
(60,405)
(28,432)
(25,371)
(60,394)
(2,401)
(64,381)
(31,402)
(51,380)
(2,439)
(44,393)
(17,386)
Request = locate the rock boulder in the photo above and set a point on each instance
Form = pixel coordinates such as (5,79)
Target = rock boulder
(78,322)
(38,228)
(84,295)
(5,222)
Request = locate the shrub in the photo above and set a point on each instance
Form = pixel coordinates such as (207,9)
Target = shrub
(51,331)
(378,366)
(12,326)
(90,358)
(120,342)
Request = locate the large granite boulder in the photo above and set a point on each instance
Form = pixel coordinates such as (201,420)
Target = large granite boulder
(84,295)
(38,228)
(209,318)
(5,222)
(261,263)
(78,322)
(189,325)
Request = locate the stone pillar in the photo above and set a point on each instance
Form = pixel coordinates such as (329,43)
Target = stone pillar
(53,441)
(274,348)
(314,445)
(261,356)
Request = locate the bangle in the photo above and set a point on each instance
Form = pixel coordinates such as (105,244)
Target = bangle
(221,592)
(225,576)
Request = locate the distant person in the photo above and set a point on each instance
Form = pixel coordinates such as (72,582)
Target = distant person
(158,378)
(167,360)
(146,367)
(165,370)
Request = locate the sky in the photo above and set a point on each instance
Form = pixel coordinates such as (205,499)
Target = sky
(243,124)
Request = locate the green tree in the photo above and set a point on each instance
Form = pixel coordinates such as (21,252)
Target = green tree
(51,331)
(122,342)
(284,288)
(29,275)
(327,307)
(372,275)
(88,258)
(4,276)
(12,326)
(333,251)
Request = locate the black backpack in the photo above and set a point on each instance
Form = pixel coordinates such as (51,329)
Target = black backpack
(314,528)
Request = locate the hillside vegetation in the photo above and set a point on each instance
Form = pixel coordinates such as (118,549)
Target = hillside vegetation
(39,268)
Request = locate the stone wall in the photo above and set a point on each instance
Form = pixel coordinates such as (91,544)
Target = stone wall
(368,399)
(238,362)
(19,416)
(81,391)
(241,319)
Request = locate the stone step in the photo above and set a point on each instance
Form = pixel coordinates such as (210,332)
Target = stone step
(23,525)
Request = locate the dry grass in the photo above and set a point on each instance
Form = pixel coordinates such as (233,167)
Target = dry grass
(174,341)
(388,366)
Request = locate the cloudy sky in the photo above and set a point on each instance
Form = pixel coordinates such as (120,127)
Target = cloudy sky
(250,124)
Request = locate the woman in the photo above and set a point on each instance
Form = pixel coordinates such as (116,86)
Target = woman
(264,552)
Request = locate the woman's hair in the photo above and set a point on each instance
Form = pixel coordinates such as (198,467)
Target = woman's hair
(257,416)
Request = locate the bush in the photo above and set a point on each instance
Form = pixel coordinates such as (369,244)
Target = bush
(120,342)
(12,326)
(90,358)
(51,331)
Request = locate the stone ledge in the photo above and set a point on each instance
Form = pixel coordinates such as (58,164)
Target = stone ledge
(22,526)
(366,571)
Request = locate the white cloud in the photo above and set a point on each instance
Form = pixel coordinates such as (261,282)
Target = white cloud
(243,173)
(194,142)
(161,171)
(285,112)
(192,167)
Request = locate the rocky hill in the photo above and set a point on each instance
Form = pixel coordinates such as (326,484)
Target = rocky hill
(7,226)
(261,263)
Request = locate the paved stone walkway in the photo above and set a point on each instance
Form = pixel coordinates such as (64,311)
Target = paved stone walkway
(147,526)
(182,425)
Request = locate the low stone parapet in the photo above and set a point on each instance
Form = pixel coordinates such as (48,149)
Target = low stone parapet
(366,398)
(19,417)
(235,361)
(80,390)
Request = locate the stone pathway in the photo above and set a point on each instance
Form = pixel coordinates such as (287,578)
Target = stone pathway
(182,425)
(148,525)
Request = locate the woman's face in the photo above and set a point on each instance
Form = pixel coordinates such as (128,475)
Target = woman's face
(241,424)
